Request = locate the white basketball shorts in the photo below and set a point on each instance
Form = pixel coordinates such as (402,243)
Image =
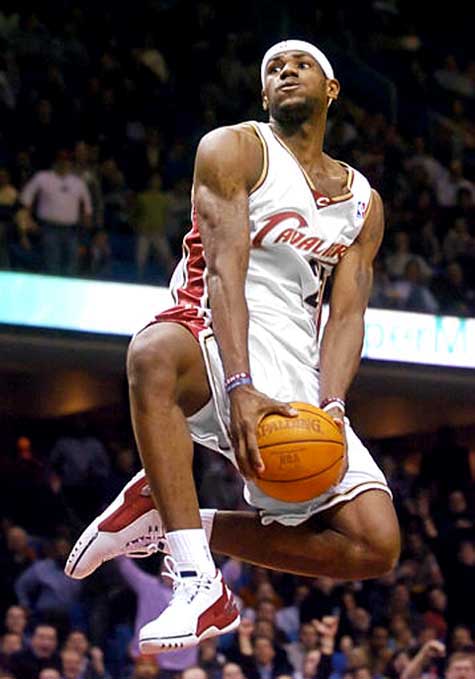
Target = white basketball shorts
(277,372)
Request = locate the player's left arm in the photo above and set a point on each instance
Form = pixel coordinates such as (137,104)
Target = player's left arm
(342,341)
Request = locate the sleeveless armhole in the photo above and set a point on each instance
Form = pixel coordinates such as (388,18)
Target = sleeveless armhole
(265,157)
(369,208)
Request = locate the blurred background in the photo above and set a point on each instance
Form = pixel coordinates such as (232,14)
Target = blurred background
(101,110)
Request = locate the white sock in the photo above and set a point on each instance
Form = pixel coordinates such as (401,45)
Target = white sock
(190,549)
(207,521)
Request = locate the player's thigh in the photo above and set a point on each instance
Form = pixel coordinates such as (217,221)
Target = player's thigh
(166,359)
(369,520)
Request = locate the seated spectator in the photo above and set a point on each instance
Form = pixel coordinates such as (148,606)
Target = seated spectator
(17,556)
(194,673)
(41,653)
(397,664)
(72,666)
(411,293)
(322,597)
(460,666)
(263,663)
(288,617)
(453,293)
(308,641)
(145,667)
(49,673)
(92,657)
(436,613)
(16,620)
(45,589)
(461,639)
(450,184)
(379,652)
(82,464)
(10,643)
(451,78)
(398,259)
(458,242)
(232,670)
(422,158)
(401,632)
(209,659)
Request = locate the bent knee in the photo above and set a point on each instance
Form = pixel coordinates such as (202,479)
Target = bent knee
(150,360)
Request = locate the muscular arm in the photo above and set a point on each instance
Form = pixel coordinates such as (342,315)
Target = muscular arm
(228,163)
(342,341)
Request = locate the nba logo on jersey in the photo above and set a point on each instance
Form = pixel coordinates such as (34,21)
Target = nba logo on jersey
(360,209)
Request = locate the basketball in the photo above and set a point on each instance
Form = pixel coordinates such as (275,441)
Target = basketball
(303,455)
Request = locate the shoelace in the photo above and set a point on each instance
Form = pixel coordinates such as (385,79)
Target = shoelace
(185,588)
(146,544)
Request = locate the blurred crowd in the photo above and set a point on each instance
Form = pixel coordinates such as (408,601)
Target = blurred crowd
(417,622)
(101,111)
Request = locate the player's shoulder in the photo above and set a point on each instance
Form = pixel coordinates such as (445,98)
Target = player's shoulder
(235,150)
(239,138)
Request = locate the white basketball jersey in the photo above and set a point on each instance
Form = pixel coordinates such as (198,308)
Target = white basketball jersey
(297,238)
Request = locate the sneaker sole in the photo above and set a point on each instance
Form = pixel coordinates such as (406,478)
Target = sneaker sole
(90,534)
(160,645)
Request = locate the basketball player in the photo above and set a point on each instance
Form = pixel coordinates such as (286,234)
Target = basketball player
(273,218)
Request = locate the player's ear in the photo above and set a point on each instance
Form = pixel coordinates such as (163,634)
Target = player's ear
(333,89)
(265,101)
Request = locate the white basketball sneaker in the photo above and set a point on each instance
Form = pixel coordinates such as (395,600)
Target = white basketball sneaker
(201,607)
(130,525)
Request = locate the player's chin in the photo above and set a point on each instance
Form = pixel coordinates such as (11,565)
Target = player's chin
(293,109)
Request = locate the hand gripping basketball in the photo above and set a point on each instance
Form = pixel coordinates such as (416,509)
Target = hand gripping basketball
(303,457)
(248,408)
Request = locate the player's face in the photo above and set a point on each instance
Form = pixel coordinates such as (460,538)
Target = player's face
(296,87)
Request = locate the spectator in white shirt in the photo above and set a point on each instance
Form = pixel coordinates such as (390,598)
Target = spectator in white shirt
(448,186)
(63,204)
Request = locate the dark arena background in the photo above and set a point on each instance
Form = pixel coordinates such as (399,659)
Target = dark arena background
(120,94)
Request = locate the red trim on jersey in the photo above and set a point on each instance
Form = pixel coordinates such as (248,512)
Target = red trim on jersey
(193,289)
(189,297)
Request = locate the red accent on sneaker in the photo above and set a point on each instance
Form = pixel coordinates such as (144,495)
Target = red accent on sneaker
(220,614)
(134,505)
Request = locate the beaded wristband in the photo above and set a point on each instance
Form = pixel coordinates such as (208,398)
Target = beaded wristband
(238,383)
(236,380)
(333,402)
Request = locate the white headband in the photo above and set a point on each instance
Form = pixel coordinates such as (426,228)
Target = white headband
(297,46)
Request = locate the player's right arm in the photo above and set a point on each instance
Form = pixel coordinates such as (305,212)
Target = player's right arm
(228,164)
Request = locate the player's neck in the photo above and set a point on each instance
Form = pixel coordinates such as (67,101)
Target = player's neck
(304,140)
